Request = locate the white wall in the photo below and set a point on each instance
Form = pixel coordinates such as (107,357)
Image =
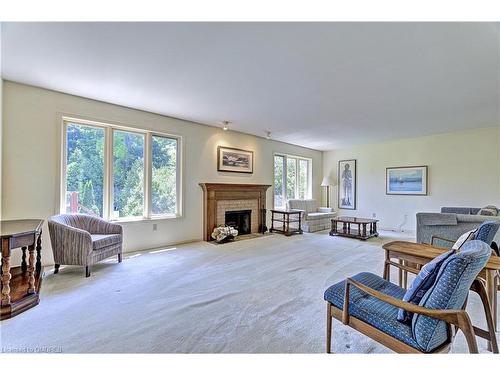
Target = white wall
(464,170)
(32,148)
(1,118)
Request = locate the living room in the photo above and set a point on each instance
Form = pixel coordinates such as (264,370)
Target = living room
(214,187)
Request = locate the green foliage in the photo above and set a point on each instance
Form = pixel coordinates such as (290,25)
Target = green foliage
(85,162)
(85,171)
(164,175)
(88,199)
(128,173)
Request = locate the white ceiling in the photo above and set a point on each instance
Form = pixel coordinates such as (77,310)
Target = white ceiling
(319,85)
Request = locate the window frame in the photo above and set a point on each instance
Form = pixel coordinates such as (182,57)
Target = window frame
(108,187)
(308,192)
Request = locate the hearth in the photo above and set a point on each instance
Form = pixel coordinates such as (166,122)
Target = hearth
(240,220)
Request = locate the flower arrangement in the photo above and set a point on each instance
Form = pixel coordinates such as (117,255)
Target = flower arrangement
(224,234)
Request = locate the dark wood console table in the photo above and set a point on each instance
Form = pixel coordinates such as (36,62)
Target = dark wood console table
(285,220)
(20,285)
(360,233)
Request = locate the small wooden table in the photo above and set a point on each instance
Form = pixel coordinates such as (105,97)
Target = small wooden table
(20,285)
(419,254)
(285,220)
(361,233)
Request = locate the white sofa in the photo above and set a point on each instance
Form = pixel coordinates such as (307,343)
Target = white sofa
(314,218)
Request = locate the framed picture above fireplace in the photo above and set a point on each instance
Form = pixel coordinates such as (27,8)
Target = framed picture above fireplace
(234,160)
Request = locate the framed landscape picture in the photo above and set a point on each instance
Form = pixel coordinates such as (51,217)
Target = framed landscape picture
(234,160)
(347,184)
(406,180)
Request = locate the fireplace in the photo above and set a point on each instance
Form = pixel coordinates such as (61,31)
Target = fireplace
(220,198)
(240,220)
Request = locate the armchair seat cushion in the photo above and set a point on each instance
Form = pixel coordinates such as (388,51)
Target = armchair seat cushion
(319,215)
(100,241)
(371,310)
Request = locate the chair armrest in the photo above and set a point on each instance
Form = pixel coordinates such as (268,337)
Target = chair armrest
(69,243)
(435,219)
(450,316)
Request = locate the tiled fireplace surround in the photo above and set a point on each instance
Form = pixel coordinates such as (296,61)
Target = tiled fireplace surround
(238,205)
(219,198)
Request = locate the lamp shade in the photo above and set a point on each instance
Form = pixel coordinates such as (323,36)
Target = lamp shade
(327,181)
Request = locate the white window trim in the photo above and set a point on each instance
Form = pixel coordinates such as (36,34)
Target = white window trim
(108,168)
(283,182)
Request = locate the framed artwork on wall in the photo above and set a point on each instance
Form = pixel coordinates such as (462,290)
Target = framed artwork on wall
(406,180)
(234,160)
(347,179)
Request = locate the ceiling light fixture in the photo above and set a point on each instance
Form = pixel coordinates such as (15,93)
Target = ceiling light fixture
(225,125)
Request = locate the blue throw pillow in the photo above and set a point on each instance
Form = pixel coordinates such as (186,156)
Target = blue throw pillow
(422,283)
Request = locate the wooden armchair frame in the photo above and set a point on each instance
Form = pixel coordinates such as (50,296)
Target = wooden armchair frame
(458,318)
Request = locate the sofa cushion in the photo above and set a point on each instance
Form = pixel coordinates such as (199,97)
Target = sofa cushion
(422,283)
(371,310)
(296,204)
(460,210)
(100,241)
(311,205)
(319,215)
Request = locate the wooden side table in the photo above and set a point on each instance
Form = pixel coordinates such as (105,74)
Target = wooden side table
(20,285)
(283,217)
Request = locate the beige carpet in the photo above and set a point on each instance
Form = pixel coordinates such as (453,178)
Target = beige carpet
(263,295)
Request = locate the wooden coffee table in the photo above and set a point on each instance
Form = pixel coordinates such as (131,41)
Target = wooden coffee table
(361,232)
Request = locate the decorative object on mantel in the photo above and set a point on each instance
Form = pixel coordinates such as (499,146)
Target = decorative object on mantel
(216,193)
(224,233)
(234,160)
(347,184)
(327,182)
(406,180)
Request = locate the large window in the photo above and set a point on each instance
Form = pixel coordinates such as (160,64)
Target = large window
(292,179)
(118,173)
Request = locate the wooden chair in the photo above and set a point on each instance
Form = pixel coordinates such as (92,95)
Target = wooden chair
(369,304)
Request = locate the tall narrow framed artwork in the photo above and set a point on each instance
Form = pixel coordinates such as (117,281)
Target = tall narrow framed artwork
(347,179)
(406,180)
(234,160)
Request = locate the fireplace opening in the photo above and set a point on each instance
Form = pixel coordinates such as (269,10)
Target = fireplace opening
(240,220)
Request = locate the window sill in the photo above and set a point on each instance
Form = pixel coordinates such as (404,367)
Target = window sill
(144,219)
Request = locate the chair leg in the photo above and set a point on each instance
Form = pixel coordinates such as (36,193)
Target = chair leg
(87,271)
(56,268)
(120,258)
(468,330)
(479,288)
(328,328)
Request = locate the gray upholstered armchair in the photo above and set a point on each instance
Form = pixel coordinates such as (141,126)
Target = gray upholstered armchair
(83,240)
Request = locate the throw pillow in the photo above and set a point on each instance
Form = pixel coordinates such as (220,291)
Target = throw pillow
(422,283)
(467,236)
(488,211)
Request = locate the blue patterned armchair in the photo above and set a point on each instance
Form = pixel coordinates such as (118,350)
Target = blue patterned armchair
(369,304)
